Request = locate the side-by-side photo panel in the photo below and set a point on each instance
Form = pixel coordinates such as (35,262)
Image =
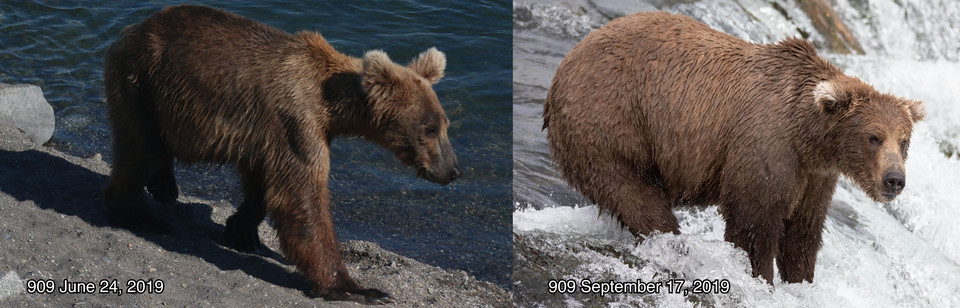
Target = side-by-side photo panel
(736,153)
(247,153)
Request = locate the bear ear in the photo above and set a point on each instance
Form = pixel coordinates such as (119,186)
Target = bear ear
(380,79)
(430,64)
(828,98)
(377,68)
(916,109)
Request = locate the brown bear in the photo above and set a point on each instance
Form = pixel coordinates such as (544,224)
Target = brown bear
(656,110)
(204,85)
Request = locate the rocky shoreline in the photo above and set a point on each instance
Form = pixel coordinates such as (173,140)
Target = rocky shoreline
(54,229)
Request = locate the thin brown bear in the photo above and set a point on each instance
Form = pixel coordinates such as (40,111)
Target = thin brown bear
(198,84)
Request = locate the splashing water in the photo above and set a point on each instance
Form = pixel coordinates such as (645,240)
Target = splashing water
(903,253)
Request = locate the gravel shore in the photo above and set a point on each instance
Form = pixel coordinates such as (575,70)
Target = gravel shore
(53,228)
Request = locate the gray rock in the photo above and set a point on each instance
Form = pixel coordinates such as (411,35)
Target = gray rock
(14,139)
(23,106)
(10,285)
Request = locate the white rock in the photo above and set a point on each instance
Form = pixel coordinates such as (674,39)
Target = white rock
(23,106)
(11,285)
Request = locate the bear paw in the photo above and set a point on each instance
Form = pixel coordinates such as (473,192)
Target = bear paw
(164,189)
(247,241)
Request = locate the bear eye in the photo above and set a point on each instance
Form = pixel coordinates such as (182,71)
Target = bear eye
(875,140)
(903,146)
(431,131)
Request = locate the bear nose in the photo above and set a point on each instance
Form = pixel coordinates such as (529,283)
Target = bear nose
(894,181)
(455,172)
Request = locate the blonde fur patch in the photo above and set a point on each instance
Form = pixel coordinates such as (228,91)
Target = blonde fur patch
(824,95)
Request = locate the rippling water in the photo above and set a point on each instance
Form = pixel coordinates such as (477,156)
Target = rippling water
(899,254)
(59,45)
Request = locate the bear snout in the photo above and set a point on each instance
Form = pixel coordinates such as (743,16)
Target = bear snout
(455,172)
(444,167)
(444,178)
(893,182)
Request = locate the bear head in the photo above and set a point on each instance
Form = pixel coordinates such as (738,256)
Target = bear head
(871,133)
(407,112)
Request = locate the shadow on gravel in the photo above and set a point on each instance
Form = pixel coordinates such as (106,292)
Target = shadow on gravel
(53,183)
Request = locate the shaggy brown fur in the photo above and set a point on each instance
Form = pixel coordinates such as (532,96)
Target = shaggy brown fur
(204,85)
(656,110)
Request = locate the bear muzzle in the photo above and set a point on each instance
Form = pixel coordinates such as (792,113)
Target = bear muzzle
(443,166)
(444,177)
(455,173)
(893,183)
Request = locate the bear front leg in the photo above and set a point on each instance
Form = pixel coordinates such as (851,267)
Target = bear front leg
(241,228)
(300,209)
(163,185)
(804,230)
(756,229)
(756,193)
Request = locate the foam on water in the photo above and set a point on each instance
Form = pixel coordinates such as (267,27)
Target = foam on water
(873,261)
(909,29)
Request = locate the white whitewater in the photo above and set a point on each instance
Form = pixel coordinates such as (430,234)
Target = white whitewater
(902,254)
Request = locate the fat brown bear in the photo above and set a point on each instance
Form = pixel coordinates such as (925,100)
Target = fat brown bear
(656,110)
(198,84)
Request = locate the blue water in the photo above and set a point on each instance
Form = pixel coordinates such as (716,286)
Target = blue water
(59,46)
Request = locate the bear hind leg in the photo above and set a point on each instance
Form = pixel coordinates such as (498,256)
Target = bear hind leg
(645,210)
(133,166)
(138,154)
(638,205)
